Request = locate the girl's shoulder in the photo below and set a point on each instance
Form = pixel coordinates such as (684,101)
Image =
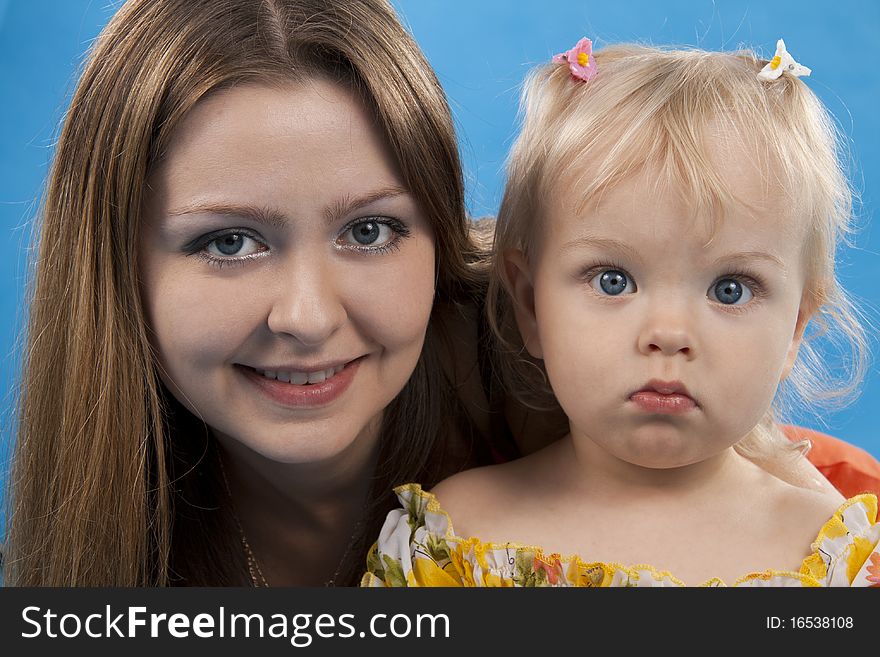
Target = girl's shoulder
(846,551)
(800,506)
(493,499)
(477,496)
(419,546)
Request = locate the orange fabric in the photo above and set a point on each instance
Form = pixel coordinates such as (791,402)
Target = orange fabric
(850,469)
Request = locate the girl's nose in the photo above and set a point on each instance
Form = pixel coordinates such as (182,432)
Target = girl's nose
(667,333)
(307,306)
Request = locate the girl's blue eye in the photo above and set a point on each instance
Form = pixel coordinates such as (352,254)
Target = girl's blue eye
(232,244)
(730,291)
(613,282)
(371,234)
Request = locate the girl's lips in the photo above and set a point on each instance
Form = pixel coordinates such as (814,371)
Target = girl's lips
(665,404)
(313,395)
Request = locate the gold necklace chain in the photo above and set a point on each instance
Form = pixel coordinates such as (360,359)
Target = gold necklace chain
(332,581)
(258,579)
(256,573)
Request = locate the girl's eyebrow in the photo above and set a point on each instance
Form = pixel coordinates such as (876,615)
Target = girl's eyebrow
(628,251)
(604,244)
(750,255)
(276,218)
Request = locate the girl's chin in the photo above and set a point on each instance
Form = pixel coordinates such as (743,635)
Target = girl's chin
(660,453)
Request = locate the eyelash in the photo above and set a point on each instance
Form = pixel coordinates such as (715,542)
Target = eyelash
(590,271)
(755,284)
(754,281)
(400,230)
(198,247)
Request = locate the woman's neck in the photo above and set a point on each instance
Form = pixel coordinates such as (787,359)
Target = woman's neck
(299,518)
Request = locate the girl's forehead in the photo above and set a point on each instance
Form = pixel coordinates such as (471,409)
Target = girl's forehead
(721,165)
(646,210)
(733,181)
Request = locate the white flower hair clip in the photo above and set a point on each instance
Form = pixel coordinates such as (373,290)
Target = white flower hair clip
(782,62)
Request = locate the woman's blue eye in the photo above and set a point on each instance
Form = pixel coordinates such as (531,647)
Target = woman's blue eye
(232,244)
(730,291)
(366,233)
(612,282)
(369,233)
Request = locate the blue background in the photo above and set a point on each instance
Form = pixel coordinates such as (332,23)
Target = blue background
(481,52)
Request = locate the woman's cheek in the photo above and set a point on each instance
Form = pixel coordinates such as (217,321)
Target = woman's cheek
(198,319)
(396,300)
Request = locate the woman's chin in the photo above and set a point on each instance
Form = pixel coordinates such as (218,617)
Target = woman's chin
(296,445)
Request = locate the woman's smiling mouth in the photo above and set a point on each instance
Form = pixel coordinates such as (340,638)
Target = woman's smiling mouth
(299,377)
(314,387)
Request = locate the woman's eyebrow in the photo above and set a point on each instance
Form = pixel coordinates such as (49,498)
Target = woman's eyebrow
(263,215)
(276,218)
(348,203)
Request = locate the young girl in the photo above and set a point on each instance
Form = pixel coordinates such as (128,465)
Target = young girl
(666,235)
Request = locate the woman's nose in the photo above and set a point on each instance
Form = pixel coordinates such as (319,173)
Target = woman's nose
(307,305)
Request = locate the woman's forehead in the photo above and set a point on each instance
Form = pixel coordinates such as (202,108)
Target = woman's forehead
(275,147)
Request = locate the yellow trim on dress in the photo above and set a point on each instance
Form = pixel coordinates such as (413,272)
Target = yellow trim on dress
(812,571)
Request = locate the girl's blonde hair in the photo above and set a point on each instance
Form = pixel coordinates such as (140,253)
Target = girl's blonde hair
(667,109)
(114,482)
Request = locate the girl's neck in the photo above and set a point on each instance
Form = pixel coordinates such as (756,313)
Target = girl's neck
(299,518)
(596,472)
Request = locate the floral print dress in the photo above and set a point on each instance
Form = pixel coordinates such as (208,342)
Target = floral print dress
(418,547)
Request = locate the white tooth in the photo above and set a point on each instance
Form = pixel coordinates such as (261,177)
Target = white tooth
(329,373)
(299,378)
(269,375)
(284,376)
(316,377)
(338,369)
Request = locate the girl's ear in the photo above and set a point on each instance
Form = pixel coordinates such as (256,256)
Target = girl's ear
(803,318)
(519,276)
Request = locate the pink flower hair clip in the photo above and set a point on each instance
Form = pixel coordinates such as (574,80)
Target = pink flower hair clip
(579,59)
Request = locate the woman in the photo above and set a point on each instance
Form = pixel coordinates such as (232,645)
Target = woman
(243,193)
(247,192)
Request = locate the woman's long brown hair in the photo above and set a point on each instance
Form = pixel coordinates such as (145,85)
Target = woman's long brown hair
(113,480)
